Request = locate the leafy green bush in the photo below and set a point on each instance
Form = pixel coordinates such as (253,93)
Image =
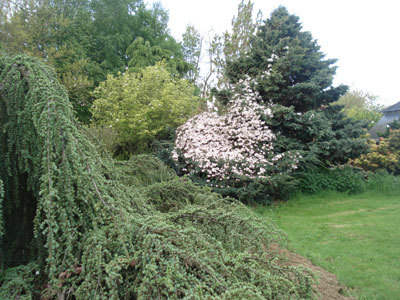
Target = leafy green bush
(384,156)
(141,107)
(340,179)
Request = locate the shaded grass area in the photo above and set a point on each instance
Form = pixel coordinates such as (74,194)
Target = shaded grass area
(356,237)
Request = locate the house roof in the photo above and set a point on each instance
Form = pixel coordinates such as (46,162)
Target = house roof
(392,108)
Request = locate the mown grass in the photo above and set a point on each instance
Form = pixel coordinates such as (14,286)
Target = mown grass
(356,237)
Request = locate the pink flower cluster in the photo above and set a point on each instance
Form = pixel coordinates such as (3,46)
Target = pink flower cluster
(231,145)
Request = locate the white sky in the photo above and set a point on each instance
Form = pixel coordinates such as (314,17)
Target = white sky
(364,35)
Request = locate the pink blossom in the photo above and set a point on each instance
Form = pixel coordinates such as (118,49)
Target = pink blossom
(233,144)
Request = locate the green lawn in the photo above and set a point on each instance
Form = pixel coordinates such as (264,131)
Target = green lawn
(355,237)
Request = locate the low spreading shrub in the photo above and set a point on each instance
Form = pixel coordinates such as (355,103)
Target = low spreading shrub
(143,170)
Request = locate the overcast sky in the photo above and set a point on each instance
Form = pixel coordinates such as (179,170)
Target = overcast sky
(364,35)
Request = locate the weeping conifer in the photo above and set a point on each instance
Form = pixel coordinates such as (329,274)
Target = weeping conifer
(73,226)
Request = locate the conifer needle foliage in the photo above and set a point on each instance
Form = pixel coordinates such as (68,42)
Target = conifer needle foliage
(75,226)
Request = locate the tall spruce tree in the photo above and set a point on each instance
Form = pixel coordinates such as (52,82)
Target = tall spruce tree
(289,70)
(288,65)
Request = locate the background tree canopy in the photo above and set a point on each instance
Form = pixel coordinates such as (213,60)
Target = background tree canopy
(362,106)
(86,40)
(142,55)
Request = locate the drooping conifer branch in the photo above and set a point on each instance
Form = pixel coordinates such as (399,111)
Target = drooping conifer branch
(174,240)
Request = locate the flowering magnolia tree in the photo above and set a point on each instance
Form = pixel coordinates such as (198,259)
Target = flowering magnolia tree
(230,147)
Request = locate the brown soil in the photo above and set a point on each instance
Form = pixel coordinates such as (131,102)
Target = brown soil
(327,288)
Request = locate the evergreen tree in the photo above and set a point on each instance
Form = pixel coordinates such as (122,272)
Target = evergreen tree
(325,138)
(349,140)
(289,70)
(288,65)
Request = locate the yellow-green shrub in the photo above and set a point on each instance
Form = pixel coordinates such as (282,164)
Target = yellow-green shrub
(142,106)
(385,155)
